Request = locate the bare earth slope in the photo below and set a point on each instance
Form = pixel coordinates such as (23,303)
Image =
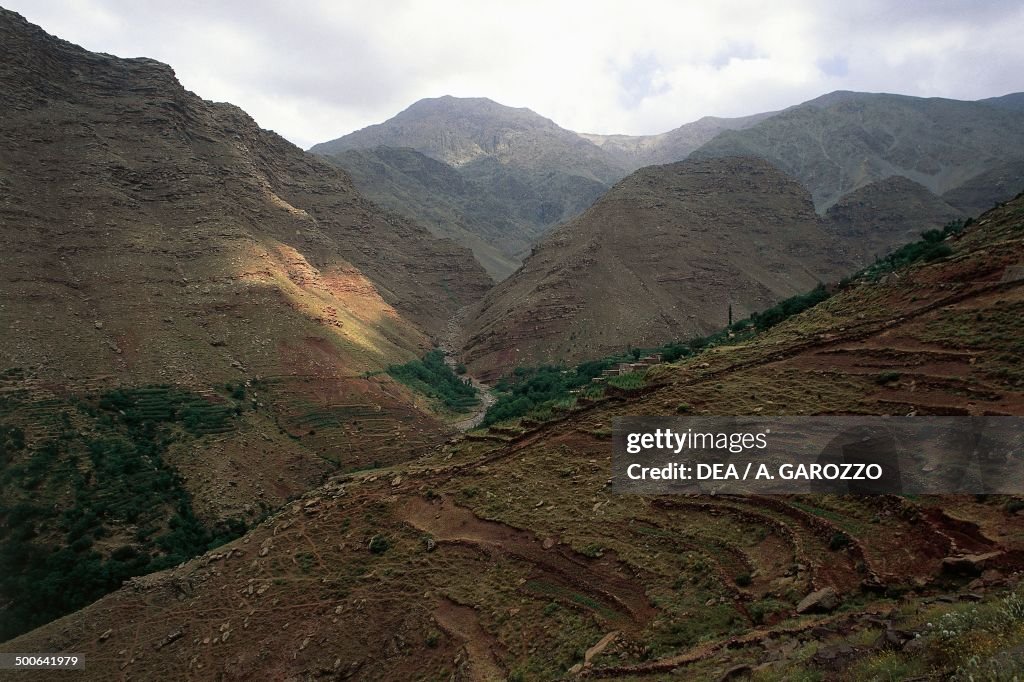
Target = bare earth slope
(193,312)
(875,218)
(503,557)
(841,141)
(660,256)
(116,162)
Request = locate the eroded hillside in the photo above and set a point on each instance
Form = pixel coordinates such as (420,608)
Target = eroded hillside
(191,306)
(660,256)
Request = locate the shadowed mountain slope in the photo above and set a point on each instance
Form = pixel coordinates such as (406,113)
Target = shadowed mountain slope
(986,189)
(875,218)
(526,173)
(441,199)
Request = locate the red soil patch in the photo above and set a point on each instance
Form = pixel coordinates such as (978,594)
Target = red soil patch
(603,581)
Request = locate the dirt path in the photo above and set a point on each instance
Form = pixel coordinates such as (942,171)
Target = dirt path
(612,593)
(460,622)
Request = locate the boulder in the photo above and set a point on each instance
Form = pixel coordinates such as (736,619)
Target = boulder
(819,601)
(893,640)
(969,564)
(737,672)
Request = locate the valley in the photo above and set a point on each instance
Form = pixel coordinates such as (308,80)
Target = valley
(464,561)
(347,413)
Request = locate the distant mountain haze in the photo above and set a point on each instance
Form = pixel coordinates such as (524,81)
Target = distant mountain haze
(636,151)
(842,141)
(529,174)
(459,131)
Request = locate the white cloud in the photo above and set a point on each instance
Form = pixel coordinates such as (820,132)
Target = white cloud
(315,70)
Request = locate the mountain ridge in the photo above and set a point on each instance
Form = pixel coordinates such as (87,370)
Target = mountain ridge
(198,317)
(696,237)
(535,175)
(841,141)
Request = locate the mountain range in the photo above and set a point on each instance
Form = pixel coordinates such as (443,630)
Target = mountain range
(695,237)
(527,174)
(224,452)
(840,142)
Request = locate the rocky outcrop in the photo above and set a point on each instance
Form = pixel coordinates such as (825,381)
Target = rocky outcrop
(819,601)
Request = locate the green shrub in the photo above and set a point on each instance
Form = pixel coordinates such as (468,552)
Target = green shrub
(628,381)
(379,544)
(435,379)
(887,378)
(789,307)
(930,247)
(838,541)
(110,475)
(760,610)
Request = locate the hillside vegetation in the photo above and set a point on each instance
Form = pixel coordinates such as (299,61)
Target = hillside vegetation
(97,501)
(432,377)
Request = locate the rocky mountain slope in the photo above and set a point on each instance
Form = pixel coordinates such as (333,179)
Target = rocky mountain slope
(526,172)
(461,131)
(872,220)
(661,256)
(182,288)
(506,556)
(635,151)
(441,199)
(844,140)
(988,188)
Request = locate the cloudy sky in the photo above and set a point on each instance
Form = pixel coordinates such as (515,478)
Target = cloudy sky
(316,69)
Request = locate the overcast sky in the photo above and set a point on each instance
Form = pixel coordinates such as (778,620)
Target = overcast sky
(316,70)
